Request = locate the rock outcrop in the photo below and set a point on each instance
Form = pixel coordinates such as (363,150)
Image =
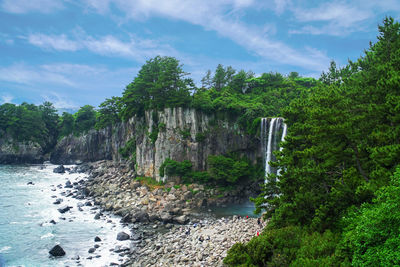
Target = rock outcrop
(12,152)
(175,133)
(93,146)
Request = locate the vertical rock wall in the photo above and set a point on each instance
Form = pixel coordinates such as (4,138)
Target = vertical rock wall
(183,134)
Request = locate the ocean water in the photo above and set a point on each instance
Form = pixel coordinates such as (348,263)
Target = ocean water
(26,236)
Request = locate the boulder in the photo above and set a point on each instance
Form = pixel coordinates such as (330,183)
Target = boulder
(140,216)
(64,209)
(68,184)
(97,239)
(59,169)
(181,219)
(57,251)
(91,250)
(122,236)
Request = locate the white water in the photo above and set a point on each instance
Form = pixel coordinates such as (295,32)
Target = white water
(26,235)
(269,147)
(270,143)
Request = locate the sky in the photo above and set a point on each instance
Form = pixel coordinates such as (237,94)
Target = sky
(74,53)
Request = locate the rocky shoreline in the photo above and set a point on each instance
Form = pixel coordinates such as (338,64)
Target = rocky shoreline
(160,217)
(202,244)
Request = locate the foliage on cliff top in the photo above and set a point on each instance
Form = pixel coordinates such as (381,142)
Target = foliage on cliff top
(28,122)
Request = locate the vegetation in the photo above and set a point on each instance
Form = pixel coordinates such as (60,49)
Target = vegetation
(335,192)
(28,122)
(223,170)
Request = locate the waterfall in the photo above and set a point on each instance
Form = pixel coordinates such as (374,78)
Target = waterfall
(269,146)
(277,130)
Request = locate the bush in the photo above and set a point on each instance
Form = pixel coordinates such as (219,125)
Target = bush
(129,150)
(317,250)
(372,235)
(175,168)
(200,137)
(224,169)
(274,247)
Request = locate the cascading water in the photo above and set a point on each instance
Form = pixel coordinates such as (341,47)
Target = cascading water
(277,131)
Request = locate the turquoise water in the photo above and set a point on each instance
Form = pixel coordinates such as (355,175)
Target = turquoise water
(243,209)
(26,235)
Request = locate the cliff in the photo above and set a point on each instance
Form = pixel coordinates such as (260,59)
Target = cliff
(176,133)
(93,146)
(12,152)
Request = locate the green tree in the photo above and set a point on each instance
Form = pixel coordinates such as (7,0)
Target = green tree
(160,83)
(66,124)
(85,119)
(109,112)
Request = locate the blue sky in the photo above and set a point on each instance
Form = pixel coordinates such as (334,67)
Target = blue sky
(74,52)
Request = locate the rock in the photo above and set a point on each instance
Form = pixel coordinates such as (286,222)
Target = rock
(166,217)
(30,183)
(57,251)
(58,201)
(91,250)
(64,209)
(59,169)
(97,239)
(140,216)
(181,219)
(97,216)
(68,184)
(52,221)
(122,236)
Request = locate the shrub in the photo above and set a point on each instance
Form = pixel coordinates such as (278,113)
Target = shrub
(175,168)
(372,235)
(224,169)
(274,247)
(185,133)
(200,137)
(129,150)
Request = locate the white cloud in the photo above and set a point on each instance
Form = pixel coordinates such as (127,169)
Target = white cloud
(59,101)
(340,18)
(280,6)
(136,48)
(54,42)
(6,98)
(26,6)
(217,16)
(22,74)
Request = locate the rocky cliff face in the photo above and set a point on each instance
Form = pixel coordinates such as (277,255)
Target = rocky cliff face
(183,134)
(93,146)
(20,152)
(187,134)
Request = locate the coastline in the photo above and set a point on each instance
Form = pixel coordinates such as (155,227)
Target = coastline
(161,219)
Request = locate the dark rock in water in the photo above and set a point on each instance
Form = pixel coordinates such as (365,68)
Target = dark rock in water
(122,236)
(88,203)
(58,201)
(52,221)
(80,209)
(96,246)
(64,209)
(91,250)
(59,169)
(97,239)
(97,216)
(68,184)
(30,183)
(76,258)
(57,251)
